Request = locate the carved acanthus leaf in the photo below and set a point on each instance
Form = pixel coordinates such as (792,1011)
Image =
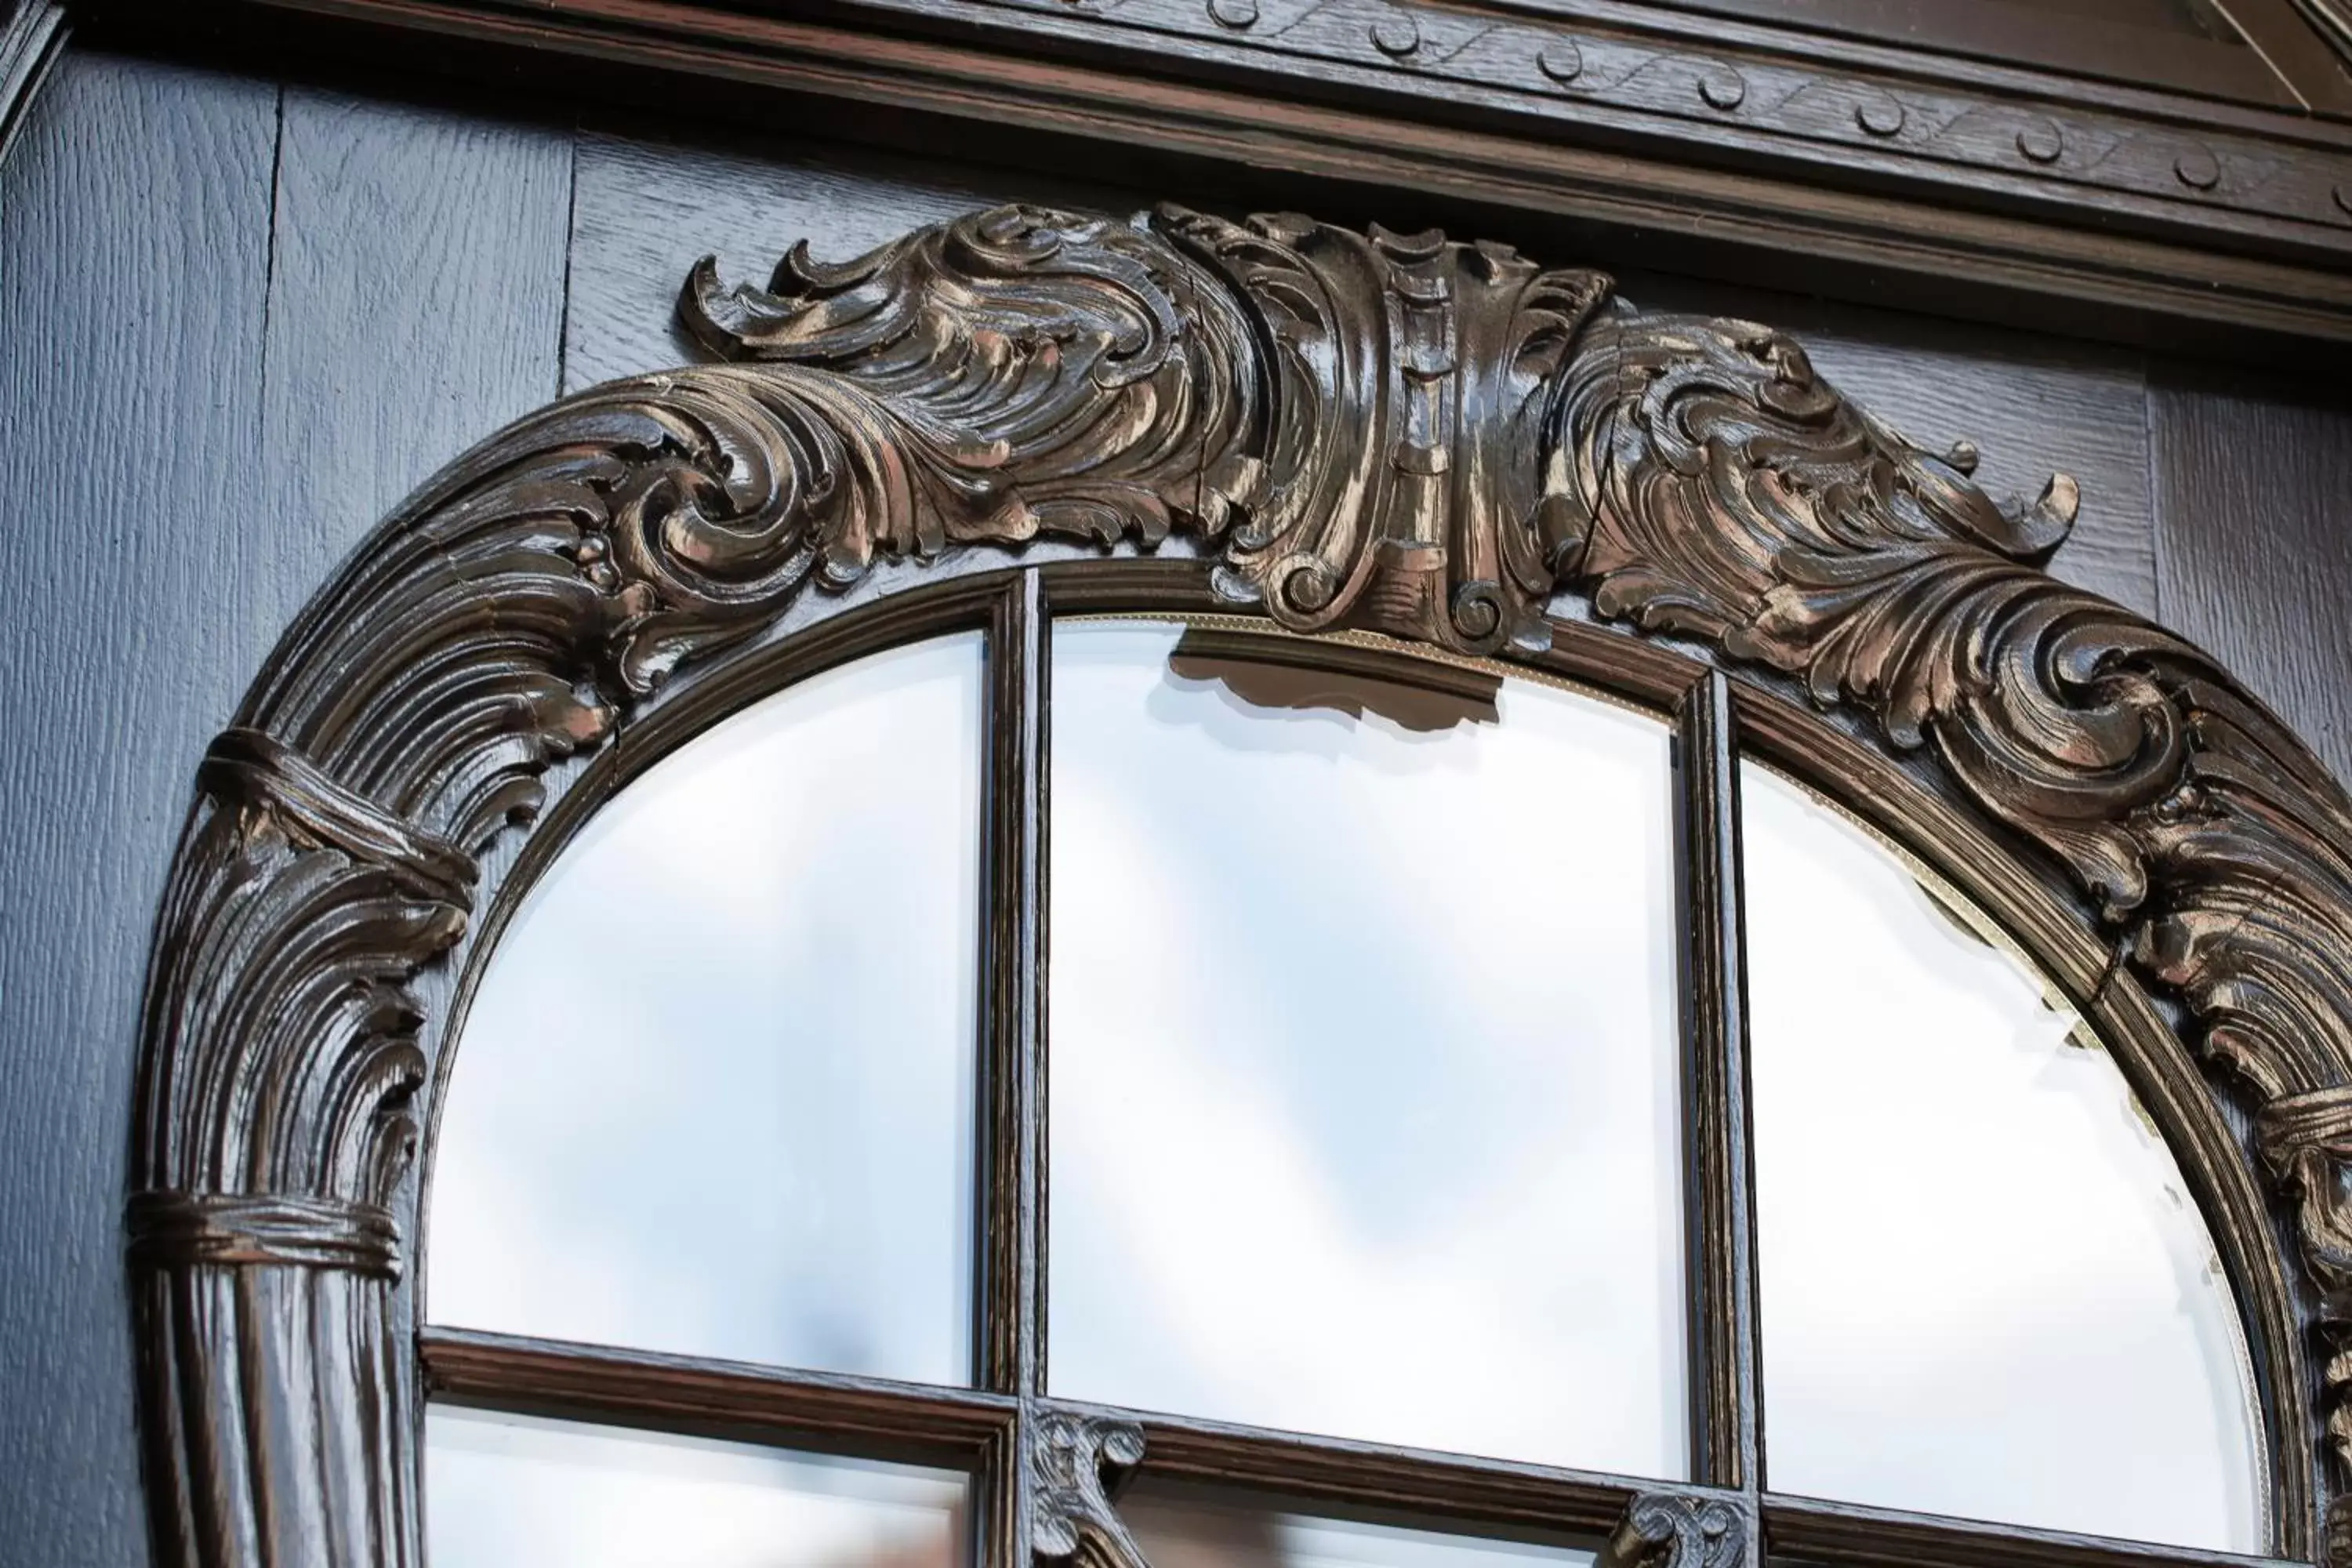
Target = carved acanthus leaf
(1408,375)
(1353,415)
(1732,495)
(1074,1466)
(1374,431)
(1017,371)
(1037,372)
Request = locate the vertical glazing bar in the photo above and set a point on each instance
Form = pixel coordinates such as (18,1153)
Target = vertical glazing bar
(1000,1515)
(1010,1297)
(1009,1330)
(1725,1403)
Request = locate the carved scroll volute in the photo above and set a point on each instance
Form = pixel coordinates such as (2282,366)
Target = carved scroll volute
(1074,1466)
(1409,378)
(1730,494)
(1395,432)
(1009,373)
(1670,1530)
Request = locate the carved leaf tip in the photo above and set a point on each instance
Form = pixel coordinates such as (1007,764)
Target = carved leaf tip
(714,315)
(2041,528)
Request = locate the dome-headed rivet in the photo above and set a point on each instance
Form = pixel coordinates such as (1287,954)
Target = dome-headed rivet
(1396,35)
(1562,60)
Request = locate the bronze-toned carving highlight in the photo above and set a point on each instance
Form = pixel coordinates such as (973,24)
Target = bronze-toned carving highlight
(1394,434)
(1735,496)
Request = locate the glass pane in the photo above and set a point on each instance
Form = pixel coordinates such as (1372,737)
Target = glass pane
(714,1095)
(510,1491)
(1185,1527)
(1364,1072)
(1986,1289)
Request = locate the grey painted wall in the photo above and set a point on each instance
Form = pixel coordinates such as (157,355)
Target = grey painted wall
(238,320)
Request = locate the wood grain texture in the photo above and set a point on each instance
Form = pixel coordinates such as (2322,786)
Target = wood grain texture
(32,38)
(646,211)
(2141,250)
(211,406)
(2031,406)
(415,304)
(134,243)
(2254,532)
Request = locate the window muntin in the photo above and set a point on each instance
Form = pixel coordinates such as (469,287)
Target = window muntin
(1194,1527)
(1408,1168)
(714,1095)
(1985,1289)
(1262,1457)
(507,1491)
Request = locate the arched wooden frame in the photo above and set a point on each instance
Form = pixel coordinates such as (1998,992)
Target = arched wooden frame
(1432,442)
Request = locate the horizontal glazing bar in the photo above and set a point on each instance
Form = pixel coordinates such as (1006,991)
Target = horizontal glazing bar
(865,1416)
(1830,1532)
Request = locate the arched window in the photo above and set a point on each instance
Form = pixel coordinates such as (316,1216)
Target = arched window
(1323,1046)
(1412,1171)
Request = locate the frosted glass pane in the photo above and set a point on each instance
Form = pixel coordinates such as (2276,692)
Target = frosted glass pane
(714,1095)
(1986,1290)
(1184,1527)
(1363,1066)
(509,1491)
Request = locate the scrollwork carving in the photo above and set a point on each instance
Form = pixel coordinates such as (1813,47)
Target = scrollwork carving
(1074,1466)
(1672,1530)
(1407,374)
(1012,373)
(1733,496)
(1393,433)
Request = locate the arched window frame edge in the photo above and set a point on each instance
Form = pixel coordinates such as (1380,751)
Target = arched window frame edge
(1889,633)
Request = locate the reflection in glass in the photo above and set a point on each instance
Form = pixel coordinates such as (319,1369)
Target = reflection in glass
(714,1093)
(1185,1527)
(1363,1065)
(512,1492)
(1986,1290)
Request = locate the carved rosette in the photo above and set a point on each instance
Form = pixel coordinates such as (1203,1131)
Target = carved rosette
(1372,431)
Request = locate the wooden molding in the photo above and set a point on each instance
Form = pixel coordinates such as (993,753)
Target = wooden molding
(32,35)
(1951,184)
(1367,433)
(1073,1467)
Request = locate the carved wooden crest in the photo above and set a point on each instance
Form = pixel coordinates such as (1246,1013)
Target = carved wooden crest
(1399,434)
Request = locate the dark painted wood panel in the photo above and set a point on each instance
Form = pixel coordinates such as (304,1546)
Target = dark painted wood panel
(647,210)
(2253,512)
(208,406)
(416,304)
(134,253)
(2029,414)
(2031,406)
